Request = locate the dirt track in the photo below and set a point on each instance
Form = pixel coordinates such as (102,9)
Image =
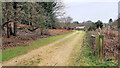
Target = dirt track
(55,54)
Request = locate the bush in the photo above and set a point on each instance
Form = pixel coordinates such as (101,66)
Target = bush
(92,27)
(99,24)
(95,25)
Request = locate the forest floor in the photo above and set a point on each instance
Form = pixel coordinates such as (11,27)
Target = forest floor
(57,53)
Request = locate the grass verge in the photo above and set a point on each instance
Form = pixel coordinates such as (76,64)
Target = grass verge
(17,51)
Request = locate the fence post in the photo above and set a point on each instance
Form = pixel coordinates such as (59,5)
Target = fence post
(99,42)
(101,36)
(97,48)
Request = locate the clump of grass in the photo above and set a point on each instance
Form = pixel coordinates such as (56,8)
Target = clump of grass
(38,60)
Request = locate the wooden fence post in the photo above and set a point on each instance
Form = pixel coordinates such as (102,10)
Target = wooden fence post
(99,42)
(101,36)
(97,48)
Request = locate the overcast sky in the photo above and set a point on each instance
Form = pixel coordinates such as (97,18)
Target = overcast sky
(83,10)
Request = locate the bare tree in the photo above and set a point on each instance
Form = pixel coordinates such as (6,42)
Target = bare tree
(67,21)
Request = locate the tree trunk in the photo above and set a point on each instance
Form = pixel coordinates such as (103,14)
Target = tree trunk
(41,31)
(10,28)
(14,33)
(8,33)
(15,15)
